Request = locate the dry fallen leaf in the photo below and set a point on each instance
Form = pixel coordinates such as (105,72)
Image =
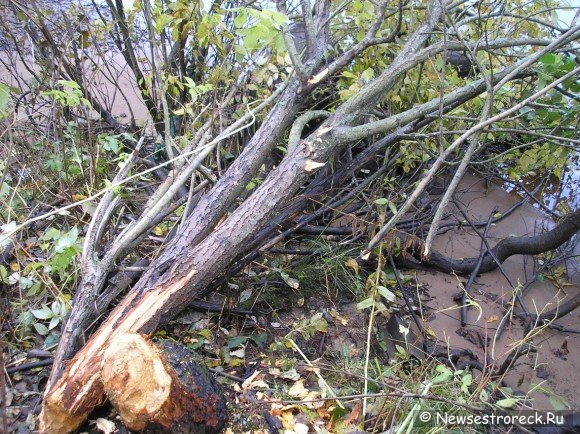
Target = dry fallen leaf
(287,418)
(251,378)
(352,264)
(354,414)
(105,425)
(298,390)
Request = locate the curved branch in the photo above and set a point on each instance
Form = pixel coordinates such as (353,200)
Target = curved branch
(299,124)
(507,247)
(439,161)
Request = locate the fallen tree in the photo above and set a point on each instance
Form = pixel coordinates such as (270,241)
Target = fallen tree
(224,226)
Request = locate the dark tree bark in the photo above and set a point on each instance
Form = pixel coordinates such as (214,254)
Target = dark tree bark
(507,247)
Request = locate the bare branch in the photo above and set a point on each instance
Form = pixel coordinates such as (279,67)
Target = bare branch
(437,164)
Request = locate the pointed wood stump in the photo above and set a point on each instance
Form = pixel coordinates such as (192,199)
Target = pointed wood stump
(157,387)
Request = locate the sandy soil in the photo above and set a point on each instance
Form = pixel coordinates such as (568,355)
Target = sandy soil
(109,79)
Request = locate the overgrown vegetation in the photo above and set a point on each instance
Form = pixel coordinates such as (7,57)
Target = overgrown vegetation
(279,167)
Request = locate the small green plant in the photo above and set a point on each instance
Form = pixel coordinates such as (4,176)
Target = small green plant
(44,284)
(70,95)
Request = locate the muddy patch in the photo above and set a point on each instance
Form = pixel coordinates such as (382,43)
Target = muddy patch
(551,371)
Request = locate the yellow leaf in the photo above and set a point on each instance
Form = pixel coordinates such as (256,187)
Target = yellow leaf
(288,420)
(298,390)
(353,265)
(236,362)
(431,332)
(159,231)
(493,318)
(14,266)
(77,197)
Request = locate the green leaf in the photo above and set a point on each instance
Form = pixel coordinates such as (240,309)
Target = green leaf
(290,281)
(236,341)
(445,374)
(162,21)
(53,323)
(62,260)
(4,98)
(43,313)
(55,308)
(388,295)
(385,201)
(241,18)
(507,402)
(3,274)
(402,351)
(41,329)
(548,59)
(365,304)
(66,240)
(558,403)
(69,83)
(483,395)
(465,383)
(319,323)
(197,344)
(260,339)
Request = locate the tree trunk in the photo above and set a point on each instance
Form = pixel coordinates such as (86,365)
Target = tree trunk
(154,388)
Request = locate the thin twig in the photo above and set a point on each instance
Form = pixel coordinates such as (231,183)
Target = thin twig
(482,253)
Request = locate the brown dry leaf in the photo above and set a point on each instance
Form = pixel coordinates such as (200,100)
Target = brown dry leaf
(354,414)
(323,411)
(288,420)
(310,400)
(563,350)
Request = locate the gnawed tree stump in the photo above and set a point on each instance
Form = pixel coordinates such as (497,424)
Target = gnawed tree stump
(156,388)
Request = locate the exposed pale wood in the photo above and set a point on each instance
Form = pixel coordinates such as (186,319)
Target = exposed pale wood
(140,381)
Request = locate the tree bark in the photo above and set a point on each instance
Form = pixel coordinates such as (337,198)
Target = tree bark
(154,388)
(507,247)
(189,272)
